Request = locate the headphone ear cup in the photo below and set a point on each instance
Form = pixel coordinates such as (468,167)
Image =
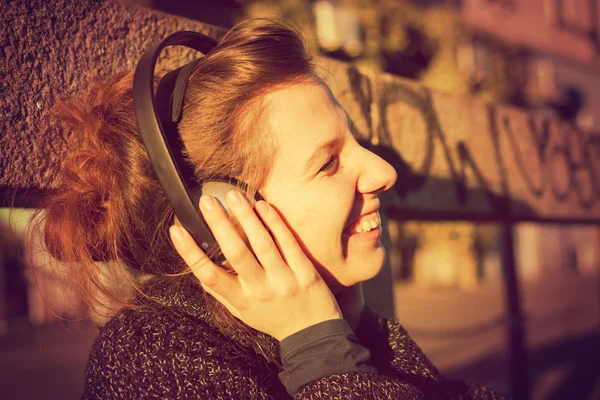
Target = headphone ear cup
(219,190)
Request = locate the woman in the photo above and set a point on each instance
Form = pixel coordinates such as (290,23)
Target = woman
(289,317)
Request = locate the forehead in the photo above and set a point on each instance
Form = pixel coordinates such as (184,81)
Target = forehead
(302,117)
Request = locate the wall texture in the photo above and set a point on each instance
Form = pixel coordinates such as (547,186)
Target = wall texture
(56,48)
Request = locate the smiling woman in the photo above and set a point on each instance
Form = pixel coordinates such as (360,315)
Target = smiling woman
(285,315)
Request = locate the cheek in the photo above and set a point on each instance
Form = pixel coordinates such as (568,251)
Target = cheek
(321,228)
(317,216)
(318,227)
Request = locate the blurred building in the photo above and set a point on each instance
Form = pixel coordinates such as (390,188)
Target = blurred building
(560,47)
(538,54)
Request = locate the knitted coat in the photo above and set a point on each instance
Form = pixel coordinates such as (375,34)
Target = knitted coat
(177,352)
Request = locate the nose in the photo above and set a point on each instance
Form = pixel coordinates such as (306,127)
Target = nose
(376,174)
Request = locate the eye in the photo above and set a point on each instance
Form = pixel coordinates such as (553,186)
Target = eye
(330,164)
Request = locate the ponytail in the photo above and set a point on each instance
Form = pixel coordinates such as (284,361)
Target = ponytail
(109,206)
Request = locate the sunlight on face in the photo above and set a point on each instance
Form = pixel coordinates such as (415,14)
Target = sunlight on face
(323,181)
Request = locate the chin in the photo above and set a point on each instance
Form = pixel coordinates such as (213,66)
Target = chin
(376,264)
(352,272)
(368,269)
(371,272)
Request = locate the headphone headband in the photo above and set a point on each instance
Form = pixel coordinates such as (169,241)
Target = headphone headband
(157,118)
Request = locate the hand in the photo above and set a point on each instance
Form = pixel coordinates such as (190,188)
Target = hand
(279,292)
(351,301)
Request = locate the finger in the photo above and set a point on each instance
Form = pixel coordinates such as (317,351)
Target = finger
(212,278)
(233,247)
(260,240)
(285,240)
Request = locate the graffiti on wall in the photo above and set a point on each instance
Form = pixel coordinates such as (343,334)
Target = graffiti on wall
(554,162)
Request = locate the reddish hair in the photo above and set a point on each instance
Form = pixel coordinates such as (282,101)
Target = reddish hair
(109,205)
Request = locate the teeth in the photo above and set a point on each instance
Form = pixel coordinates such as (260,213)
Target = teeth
(366,226)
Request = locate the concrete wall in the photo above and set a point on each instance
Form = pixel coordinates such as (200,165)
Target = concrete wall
(56,48)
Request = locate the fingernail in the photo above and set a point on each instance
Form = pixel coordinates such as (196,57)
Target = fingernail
(234,197)
(176,233)
(207,202)
(263,208)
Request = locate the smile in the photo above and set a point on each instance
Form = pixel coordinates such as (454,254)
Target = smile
(365,223)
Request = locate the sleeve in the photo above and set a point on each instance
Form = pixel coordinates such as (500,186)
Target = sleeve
(393,352)
(323,349)
(326,361)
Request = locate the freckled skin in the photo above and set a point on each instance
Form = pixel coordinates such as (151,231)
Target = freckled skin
(317,205)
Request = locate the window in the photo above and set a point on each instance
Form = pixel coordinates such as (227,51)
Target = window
(474,61)
(507,4)
(574,15)
(541,82)
(550,12)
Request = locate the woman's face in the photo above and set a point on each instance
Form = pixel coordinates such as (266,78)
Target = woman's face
(325,185)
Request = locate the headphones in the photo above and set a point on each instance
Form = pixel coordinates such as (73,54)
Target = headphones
(157,116)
